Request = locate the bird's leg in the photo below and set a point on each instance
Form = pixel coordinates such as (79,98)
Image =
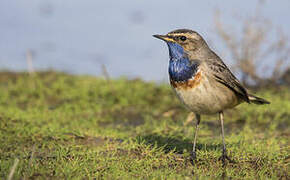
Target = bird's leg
(193,154)
(224,156)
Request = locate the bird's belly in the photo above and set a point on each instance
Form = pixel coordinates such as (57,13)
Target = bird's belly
(206,97)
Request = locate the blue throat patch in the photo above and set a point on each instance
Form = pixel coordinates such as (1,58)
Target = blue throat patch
(180,67)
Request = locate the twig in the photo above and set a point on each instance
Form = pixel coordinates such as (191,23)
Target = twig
(254,46)
(16,161)
(29,62)
(31,156)
(105,72)
(189,119)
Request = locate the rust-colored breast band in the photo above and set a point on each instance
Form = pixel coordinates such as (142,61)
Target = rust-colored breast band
(191,83)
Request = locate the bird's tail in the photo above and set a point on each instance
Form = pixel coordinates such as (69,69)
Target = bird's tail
(257,100)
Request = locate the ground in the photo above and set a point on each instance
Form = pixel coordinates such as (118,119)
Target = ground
(55,125)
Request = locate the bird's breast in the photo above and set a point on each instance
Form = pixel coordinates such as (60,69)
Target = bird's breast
(190,83)
(202,95)
(184,73)
(182,69)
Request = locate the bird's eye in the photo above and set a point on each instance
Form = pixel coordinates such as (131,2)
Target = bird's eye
(182,38)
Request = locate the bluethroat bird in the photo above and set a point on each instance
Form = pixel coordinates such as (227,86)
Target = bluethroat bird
(202,81)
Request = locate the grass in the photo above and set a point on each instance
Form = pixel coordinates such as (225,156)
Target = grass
(72,127)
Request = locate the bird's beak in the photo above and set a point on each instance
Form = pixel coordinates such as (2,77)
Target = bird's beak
(164,38)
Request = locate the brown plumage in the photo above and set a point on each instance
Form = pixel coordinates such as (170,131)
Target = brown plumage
(191,83)
(212,87)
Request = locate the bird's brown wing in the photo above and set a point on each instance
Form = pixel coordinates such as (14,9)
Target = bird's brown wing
(223,75)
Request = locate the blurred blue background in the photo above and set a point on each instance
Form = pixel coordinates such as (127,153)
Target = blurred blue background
(79,36)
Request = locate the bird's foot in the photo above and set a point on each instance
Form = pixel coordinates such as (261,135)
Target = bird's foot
(192,157)
(225,157)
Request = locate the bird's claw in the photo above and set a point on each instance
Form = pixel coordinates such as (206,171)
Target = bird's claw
(192,157)
(225,157)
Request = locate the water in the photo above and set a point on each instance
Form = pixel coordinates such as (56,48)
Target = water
(79,36)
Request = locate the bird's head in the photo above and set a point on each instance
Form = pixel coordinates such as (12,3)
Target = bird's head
(183,41)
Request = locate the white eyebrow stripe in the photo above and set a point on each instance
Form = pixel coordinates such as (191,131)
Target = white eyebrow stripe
(177,34)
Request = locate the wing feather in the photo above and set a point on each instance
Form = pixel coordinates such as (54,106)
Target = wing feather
(223,75)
